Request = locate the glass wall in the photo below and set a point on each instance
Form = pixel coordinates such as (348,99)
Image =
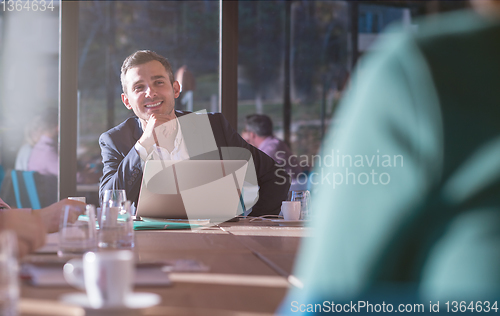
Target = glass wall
(320,63)
(326,39)
(29,57)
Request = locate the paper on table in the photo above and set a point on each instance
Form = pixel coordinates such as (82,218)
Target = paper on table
(146,274)
(51,275)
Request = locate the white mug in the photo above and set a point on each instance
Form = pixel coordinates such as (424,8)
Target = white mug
(107,276)
(290,210)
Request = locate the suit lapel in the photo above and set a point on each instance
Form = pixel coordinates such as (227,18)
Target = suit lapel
(137,132)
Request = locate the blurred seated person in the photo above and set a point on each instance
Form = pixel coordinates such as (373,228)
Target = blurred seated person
(188,85)
(31,135)
(44,157)
(429,229)
(258,132)
(31,226)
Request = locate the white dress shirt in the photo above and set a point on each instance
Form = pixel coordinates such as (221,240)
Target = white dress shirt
(179,152)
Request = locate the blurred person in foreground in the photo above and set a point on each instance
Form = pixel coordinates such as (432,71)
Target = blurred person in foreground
(258,132)
(149,90)
(416,217)
(31,226)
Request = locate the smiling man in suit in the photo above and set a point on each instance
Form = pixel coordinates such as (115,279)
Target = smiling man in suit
(149,90)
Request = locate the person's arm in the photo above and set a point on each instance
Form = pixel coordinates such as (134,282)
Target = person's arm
(51,215)
(122,170)
(31,226)
(29,229)
(273,182)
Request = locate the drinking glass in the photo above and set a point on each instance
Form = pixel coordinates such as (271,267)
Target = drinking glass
(304,198)
(116,196)
(77,237)
(116,227)
(9,282)
(112,198)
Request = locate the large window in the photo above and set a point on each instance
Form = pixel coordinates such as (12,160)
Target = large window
(29,56)
(325,39)
(320,62)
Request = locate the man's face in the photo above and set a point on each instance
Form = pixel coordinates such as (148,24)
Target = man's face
(149,90)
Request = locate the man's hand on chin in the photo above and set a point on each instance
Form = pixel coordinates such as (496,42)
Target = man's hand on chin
(157,123)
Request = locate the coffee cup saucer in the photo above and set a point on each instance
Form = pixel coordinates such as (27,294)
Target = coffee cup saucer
(133,302)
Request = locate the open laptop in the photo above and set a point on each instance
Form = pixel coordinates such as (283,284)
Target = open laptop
(192,189)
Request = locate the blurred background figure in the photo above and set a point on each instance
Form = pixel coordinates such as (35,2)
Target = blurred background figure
(429,229)
(258,132)
(31,136)
(188,84)
(44,154)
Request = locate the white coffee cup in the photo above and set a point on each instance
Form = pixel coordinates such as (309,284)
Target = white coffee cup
(290,210)
(107,276)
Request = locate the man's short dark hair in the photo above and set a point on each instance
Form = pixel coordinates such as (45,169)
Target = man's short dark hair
(260,124)
(141,57)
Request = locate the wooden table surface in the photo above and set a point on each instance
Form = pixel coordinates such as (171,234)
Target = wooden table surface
(238,282)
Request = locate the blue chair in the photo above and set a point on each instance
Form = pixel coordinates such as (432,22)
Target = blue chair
(25,189)
(2,175)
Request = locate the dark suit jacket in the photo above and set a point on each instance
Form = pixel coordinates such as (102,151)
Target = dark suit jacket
(122,163)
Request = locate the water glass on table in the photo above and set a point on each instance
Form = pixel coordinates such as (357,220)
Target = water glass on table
(116,226)
(9,279)
(112,198)
(304,198)
(116,197)
(77,237)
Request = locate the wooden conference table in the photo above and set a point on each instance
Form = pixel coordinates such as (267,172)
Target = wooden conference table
(238,282)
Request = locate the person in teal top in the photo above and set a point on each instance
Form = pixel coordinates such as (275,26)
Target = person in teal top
(406,204)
